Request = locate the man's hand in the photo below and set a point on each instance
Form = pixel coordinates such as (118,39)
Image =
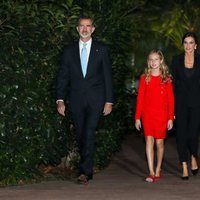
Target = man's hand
(107,109)
(61,108)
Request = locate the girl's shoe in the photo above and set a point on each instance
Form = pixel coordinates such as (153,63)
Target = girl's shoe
(150,179)
(157,178)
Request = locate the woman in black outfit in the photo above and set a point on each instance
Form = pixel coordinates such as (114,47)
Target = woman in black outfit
(186,79)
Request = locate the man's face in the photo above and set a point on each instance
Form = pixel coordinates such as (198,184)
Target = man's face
(85,28)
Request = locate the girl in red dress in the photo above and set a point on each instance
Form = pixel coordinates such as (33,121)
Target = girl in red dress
(155,108)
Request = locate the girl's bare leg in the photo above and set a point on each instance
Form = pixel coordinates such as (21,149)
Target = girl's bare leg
(160,153)
(150,154)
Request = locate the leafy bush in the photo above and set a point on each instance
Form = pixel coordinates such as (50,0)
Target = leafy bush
(31,130)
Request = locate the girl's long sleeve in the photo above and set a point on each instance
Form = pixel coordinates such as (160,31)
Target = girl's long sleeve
(140,97)
(170,101)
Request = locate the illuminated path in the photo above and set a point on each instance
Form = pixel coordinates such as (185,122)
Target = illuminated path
(122,180)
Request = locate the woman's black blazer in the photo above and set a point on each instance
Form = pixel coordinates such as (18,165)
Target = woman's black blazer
(186,90)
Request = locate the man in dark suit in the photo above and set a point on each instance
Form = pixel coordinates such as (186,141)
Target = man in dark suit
(85,75)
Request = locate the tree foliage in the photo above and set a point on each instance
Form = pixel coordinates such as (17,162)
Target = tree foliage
(176,21)
(31,132)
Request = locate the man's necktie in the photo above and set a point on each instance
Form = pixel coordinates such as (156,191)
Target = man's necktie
(84,59)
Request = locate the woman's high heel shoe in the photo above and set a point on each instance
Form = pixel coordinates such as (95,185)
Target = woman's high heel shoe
(195,164)
(194,171)
(185,178)
(185,171)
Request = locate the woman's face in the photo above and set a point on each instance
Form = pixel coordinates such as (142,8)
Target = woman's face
(189,44)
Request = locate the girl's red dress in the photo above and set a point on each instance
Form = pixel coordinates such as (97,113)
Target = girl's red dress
(155,106)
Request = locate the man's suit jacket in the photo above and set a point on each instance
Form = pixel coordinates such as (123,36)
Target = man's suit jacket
(96,86)
(186,90)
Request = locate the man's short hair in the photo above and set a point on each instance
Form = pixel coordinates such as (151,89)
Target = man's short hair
(85,17)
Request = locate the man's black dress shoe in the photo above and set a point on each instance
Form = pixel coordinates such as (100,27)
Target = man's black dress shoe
(194,171)
(185,178)
(83,179)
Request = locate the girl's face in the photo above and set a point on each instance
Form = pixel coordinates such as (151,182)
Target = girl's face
(189,44)
(154,61)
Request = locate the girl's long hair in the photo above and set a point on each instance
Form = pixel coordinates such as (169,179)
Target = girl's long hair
(164,70)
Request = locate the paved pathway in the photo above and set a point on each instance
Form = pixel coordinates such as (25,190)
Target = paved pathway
(122,180)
